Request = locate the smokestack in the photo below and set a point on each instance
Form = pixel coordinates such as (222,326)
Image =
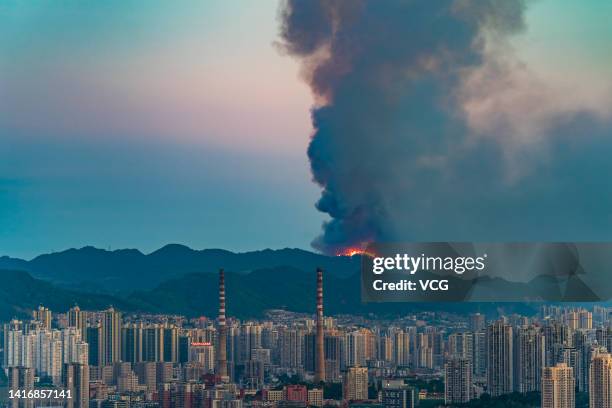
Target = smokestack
(320,353)
(222,352)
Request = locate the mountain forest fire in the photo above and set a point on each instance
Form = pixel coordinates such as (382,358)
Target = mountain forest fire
(352,251)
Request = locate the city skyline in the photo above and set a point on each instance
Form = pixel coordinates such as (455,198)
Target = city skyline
(170,361)
(305,203)
(389,356)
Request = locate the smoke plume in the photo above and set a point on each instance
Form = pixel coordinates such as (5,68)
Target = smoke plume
(426,127)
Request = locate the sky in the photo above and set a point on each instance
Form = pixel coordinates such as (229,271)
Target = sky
(133,124)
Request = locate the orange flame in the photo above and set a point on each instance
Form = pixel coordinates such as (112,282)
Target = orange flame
(352,251)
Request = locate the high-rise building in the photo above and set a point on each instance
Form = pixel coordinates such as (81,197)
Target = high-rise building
(29,349)
(147,374)
(76,379)
(571,357)
(461,345)
(477,322)
(333,355)
(153,343)
(585,320)
(43,315)
(291,343)
(604,337)
(401,348)
(558,387)
(479,358)
(423,351)
(110,337)
(78,318)
(94,339)
(582,345)
(529,358)
(310,346)
(127,382)
(500,358)
(438,348)
(555,334)
(21,379)
(232,347)
(269,336)
(572,320)
(12,336)
(262,355)
(600,315)
(249,339)
(74,349)
(204,354)
(165,372)
(49,353)
(132,343)
(184,342)
(254,374)
(600,381)
(457,381)
(356,351)
(385,348)
(355,384)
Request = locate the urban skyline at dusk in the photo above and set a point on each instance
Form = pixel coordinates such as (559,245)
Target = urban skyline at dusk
(147,360)
(305,203)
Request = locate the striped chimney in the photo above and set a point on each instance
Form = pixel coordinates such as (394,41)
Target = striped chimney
(319,353)
(222,352)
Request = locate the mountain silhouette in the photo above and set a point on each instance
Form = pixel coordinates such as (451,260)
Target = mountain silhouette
(124,270)
(178,279)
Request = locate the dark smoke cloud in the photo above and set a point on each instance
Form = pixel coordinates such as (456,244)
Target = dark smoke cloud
(393,148)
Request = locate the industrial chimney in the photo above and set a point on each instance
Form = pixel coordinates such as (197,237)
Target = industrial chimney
(222,352)
(320,353)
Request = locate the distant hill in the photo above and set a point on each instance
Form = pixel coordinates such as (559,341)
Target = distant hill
(20,293)
(249,295)
(177,279)
(124,270)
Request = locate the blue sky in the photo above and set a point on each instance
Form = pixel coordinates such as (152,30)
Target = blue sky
(132,124)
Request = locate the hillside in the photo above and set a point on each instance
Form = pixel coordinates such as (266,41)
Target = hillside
(20,293)
(249,295)
(125,270)
(177,279)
